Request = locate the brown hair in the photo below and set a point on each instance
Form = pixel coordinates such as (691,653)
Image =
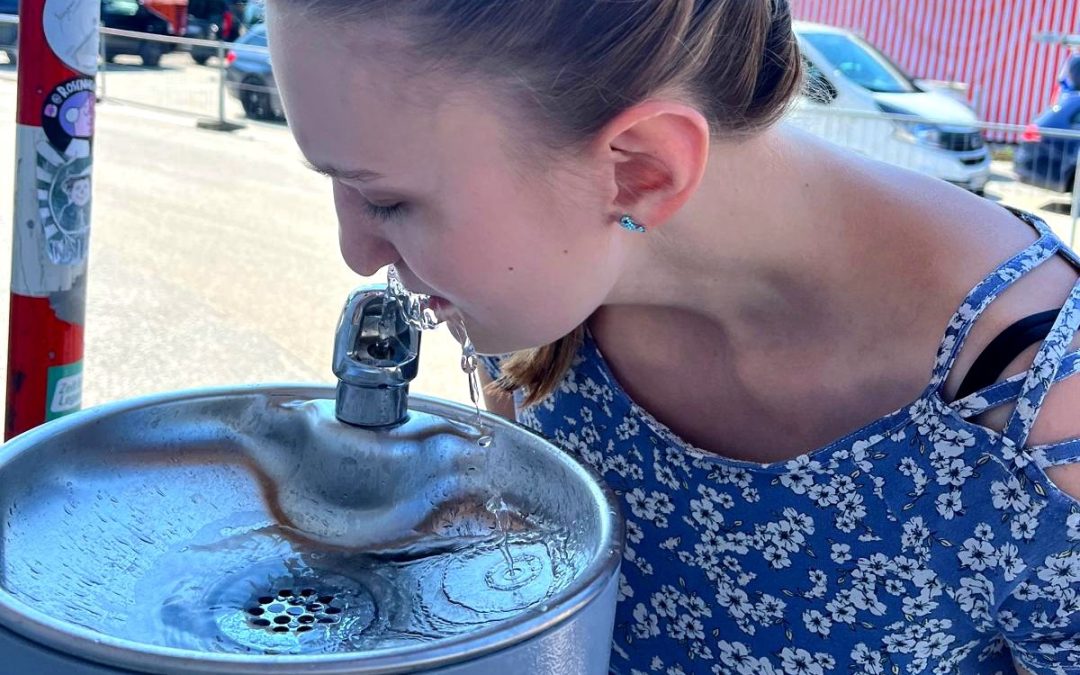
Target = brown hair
(580,63)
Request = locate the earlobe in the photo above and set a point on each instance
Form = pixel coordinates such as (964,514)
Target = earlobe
(659,149)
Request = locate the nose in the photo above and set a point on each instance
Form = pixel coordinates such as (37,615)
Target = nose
(362,246)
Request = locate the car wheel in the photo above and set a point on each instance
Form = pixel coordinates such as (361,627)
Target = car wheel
(200,59)
(150,53)
(255,99)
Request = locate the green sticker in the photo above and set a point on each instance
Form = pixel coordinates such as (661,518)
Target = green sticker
(64,395)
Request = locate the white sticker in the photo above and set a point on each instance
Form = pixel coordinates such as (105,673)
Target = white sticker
(68,395)
(51,214)
(71,30)
(64,195)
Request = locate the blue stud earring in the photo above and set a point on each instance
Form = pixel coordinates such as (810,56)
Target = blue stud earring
(628,224)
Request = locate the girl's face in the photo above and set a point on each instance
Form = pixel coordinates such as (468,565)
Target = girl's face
(431,176)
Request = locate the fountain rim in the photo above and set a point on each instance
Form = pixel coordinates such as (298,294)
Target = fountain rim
(80,642)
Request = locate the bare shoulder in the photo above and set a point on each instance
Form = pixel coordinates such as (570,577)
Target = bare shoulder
(988,237)
(1047,287)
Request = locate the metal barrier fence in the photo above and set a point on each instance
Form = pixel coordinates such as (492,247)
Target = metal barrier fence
(183,75)
(236,84)
(211,92)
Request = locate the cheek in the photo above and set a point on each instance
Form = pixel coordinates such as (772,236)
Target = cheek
(525,263)
(534,292)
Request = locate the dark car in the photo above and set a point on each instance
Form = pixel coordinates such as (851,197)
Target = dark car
(250,78)
(134,15)
(9,31)
(212,20)
(1047,159)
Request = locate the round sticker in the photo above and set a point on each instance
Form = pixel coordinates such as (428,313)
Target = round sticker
(69,112)
(71,29)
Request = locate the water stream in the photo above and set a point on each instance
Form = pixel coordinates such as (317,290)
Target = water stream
(418,313)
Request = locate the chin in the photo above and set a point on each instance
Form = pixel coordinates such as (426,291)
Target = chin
(495,344)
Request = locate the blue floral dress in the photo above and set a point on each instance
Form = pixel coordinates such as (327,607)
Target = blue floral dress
(921,543)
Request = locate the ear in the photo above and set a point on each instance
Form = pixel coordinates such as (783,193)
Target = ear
(657,152)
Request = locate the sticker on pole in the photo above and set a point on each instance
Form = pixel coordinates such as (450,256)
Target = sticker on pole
(64,393)
(63,199)
(71,30)
(68,113)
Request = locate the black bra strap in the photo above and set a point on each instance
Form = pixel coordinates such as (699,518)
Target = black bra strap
(1004,349)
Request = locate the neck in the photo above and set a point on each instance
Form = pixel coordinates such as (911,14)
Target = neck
(754,252)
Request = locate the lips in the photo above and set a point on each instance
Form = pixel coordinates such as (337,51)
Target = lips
(442,307)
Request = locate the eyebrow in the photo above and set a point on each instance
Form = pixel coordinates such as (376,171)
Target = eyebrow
(359,175)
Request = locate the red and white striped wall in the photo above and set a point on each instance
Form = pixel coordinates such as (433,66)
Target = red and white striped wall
(986,44)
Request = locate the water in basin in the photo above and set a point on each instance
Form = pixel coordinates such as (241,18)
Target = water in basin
(249,585)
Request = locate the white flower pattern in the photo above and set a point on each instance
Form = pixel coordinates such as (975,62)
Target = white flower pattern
(921,543)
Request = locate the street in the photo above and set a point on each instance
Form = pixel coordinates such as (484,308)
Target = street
(213,259)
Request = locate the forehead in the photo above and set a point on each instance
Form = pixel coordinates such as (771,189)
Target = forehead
(354,94)
(339,87)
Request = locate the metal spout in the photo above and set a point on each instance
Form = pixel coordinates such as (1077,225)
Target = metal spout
(376,355)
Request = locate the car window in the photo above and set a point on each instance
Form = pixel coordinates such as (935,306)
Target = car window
(860,62)
(254,13)
(120,7)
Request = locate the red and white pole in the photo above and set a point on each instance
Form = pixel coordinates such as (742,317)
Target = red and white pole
(58,52)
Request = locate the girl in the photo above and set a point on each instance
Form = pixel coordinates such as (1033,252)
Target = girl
(825,465)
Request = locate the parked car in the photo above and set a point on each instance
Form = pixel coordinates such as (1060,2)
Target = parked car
(1049,160)
(9,32)
(211,20)
(250,78)
(851,84)
(135,15)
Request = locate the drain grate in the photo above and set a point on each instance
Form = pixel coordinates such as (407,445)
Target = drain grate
(293,611)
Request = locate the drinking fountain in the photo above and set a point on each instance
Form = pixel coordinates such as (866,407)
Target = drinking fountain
(275,529)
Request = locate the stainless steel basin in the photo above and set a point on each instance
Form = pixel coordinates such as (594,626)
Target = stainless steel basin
(246,530)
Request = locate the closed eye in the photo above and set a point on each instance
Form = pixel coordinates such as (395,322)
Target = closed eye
(385,212)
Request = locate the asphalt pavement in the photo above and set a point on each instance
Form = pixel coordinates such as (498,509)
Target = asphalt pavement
(213,259)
